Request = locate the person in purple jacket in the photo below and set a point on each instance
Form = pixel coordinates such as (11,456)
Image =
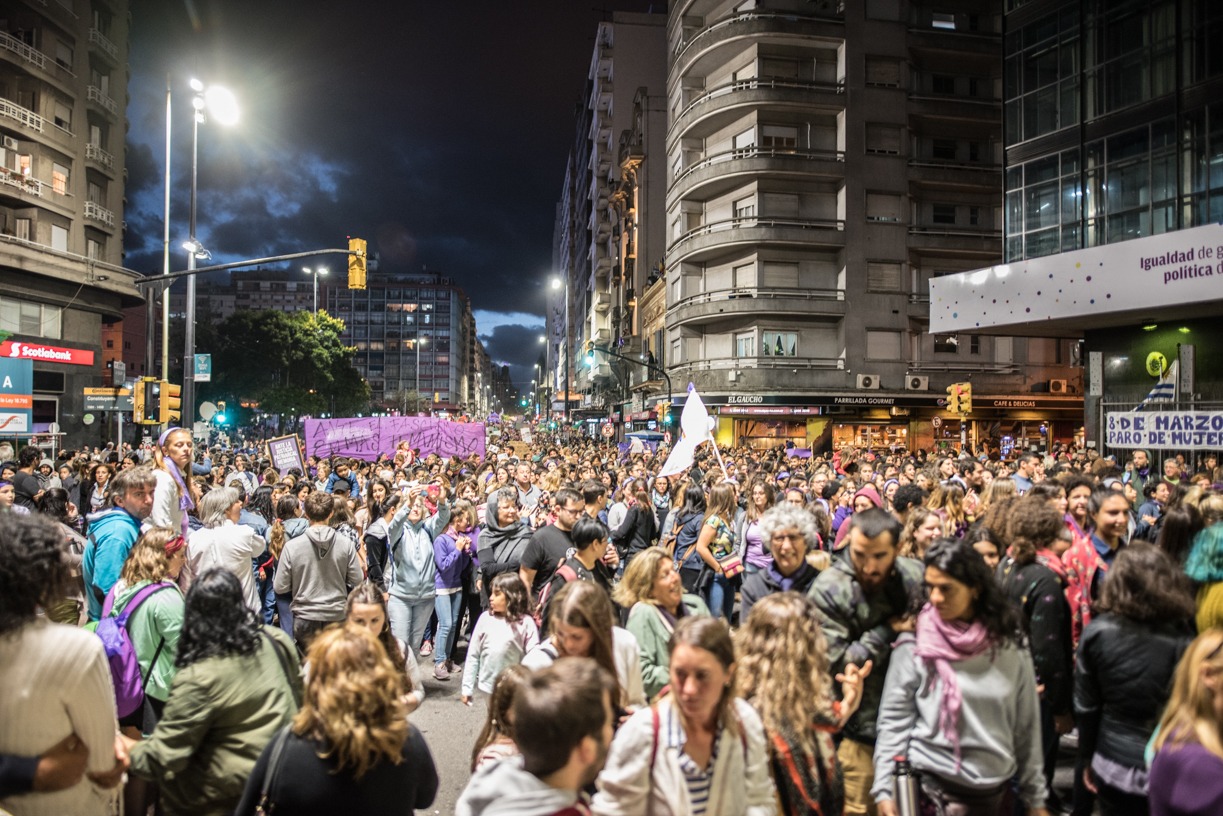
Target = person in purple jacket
(452,553)
(1186,775)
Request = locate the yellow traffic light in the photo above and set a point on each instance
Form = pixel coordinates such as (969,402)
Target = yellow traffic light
(138,402)
(953,398)
(357,253)
(664,412)
(146,394)
(171,402)
(966,398)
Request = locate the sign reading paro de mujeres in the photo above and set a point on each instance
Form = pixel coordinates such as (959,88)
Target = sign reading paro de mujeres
(1163,430)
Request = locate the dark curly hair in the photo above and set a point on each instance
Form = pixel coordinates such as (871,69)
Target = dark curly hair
(1145,585)
(216,621)
(260,503)
(1033,524)
(33,569)
(956,558)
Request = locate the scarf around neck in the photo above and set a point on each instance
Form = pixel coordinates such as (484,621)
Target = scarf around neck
(942,643)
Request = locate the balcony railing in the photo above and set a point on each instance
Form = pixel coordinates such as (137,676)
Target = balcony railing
(788,19)
(99,213)
(761,153)
(31,55)
(751,221)
(103,42)
(717,363)
(95,94)
(750,292)
(762,83)
(25,116)
(25,184)
(95,153)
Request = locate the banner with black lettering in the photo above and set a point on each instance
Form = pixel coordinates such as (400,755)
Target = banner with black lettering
(1164,430)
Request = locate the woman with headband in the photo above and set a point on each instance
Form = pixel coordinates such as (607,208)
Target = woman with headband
(175,493)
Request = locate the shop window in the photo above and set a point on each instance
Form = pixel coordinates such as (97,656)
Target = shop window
(780,344)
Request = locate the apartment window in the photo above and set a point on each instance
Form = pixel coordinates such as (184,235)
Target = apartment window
(943,149)
(110,344)
(883,139)
(59,179)
(96,193)
(883,276)
(883,207)
(59,238)
(22,229)
(63,115)
(745,344)
(942,20)
(882,345)
(63,55)
(745,207)
(778,275)
(745,140)
(942,84)
(974,151)
(779,205)
(974,344)
(36,319)
(94,249)
(946,343)
(779,136)
(883,72)
(780,344)
(942,214)
(974,216)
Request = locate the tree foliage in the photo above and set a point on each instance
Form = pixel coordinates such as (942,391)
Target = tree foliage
(289,363)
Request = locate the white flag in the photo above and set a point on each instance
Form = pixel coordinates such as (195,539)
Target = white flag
(694,427)
(1164,390)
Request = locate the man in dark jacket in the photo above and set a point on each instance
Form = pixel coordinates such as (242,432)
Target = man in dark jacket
(789,532)
(865,600)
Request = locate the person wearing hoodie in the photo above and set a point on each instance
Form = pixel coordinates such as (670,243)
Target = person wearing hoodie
(866,498)
(413,571)
(788,534)
(318,569)
(112,533)
(563,720)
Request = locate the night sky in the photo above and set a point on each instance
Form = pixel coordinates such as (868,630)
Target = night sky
(438,131)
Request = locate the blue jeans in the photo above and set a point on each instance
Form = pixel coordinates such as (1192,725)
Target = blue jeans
(267,595)
(408,619)
(720,597)
(449,608)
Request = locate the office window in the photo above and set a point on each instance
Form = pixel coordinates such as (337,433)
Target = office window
(780,344)
(883,345)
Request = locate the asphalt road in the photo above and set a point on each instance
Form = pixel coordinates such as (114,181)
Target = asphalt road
(451,729)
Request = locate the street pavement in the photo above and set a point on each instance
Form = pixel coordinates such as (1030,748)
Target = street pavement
(450,728)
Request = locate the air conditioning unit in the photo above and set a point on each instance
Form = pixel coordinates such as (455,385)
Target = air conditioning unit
(1057,387)
(10,143)
(869,382)
(915,383)
(732,376)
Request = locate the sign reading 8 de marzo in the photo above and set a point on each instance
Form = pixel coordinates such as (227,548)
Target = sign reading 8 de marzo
(1163,430)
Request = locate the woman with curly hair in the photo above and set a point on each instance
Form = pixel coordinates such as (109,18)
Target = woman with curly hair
(366,606)
(350,748)
(947,500)
(785,674)
(922,526)
(56,678)
(238,682)
(960,697)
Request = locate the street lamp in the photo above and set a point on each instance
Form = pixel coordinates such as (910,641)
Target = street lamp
(224,109)
(420,340)
(314,273)
(557,283)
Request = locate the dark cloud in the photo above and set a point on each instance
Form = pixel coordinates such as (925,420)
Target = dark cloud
(515,346)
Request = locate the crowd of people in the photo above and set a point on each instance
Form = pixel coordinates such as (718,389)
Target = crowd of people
(759,633)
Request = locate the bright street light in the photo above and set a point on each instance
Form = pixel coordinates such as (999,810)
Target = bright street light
(314,273)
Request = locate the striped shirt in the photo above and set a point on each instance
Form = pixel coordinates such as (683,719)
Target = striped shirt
(699,780)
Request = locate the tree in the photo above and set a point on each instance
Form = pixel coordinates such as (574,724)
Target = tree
(407,401)
(290,364)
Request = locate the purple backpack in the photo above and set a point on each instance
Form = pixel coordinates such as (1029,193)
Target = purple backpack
(124,665)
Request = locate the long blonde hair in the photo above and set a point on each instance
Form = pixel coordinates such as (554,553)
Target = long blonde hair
(160,462)
(1190,716)
(353,705)
(784,669)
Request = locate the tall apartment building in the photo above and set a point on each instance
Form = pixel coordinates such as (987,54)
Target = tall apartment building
(408,329)
(1113,153)
(827,160)
(605,242)
(63,97)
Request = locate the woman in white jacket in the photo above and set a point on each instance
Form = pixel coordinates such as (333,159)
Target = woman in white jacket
(699,751)
(175,493)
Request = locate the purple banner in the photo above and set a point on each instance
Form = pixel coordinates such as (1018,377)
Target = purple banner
(285,454)
(367,437)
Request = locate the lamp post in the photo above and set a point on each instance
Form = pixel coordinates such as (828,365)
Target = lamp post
(224,109)
(314,273)
(420,340)
(557,283)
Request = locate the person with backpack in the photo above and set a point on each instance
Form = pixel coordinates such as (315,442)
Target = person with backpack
(689,519)
(112,532)
(146,603)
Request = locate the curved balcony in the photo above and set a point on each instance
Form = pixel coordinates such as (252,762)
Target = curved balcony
(716,174)
(709,307)
(949,107)
(722,105)
(954,175)
(709,240)
(985,243)
(758,26)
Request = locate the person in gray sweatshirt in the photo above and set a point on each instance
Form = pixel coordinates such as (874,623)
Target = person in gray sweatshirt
(317,570)
(413,571)
(960,699)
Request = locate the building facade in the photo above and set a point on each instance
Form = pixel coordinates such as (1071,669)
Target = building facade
(413,334)
(826,161)
(63,97)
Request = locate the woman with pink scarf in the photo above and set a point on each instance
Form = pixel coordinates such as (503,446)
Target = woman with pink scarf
(960,700)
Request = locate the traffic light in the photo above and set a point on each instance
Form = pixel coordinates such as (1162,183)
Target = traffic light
(953,398)
(171,403)
(138,402)
(664,412)
(220,415)
(357,254)
(149,390)
(590,353)
(966,398)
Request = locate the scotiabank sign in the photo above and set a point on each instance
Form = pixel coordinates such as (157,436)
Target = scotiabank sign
(21,350)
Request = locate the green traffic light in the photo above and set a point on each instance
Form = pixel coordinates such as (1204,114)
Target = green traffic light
(667,421)
(220,419)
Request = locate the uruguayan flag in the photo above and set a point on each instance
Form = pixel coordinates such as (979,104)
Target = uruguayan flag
(1164,390)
